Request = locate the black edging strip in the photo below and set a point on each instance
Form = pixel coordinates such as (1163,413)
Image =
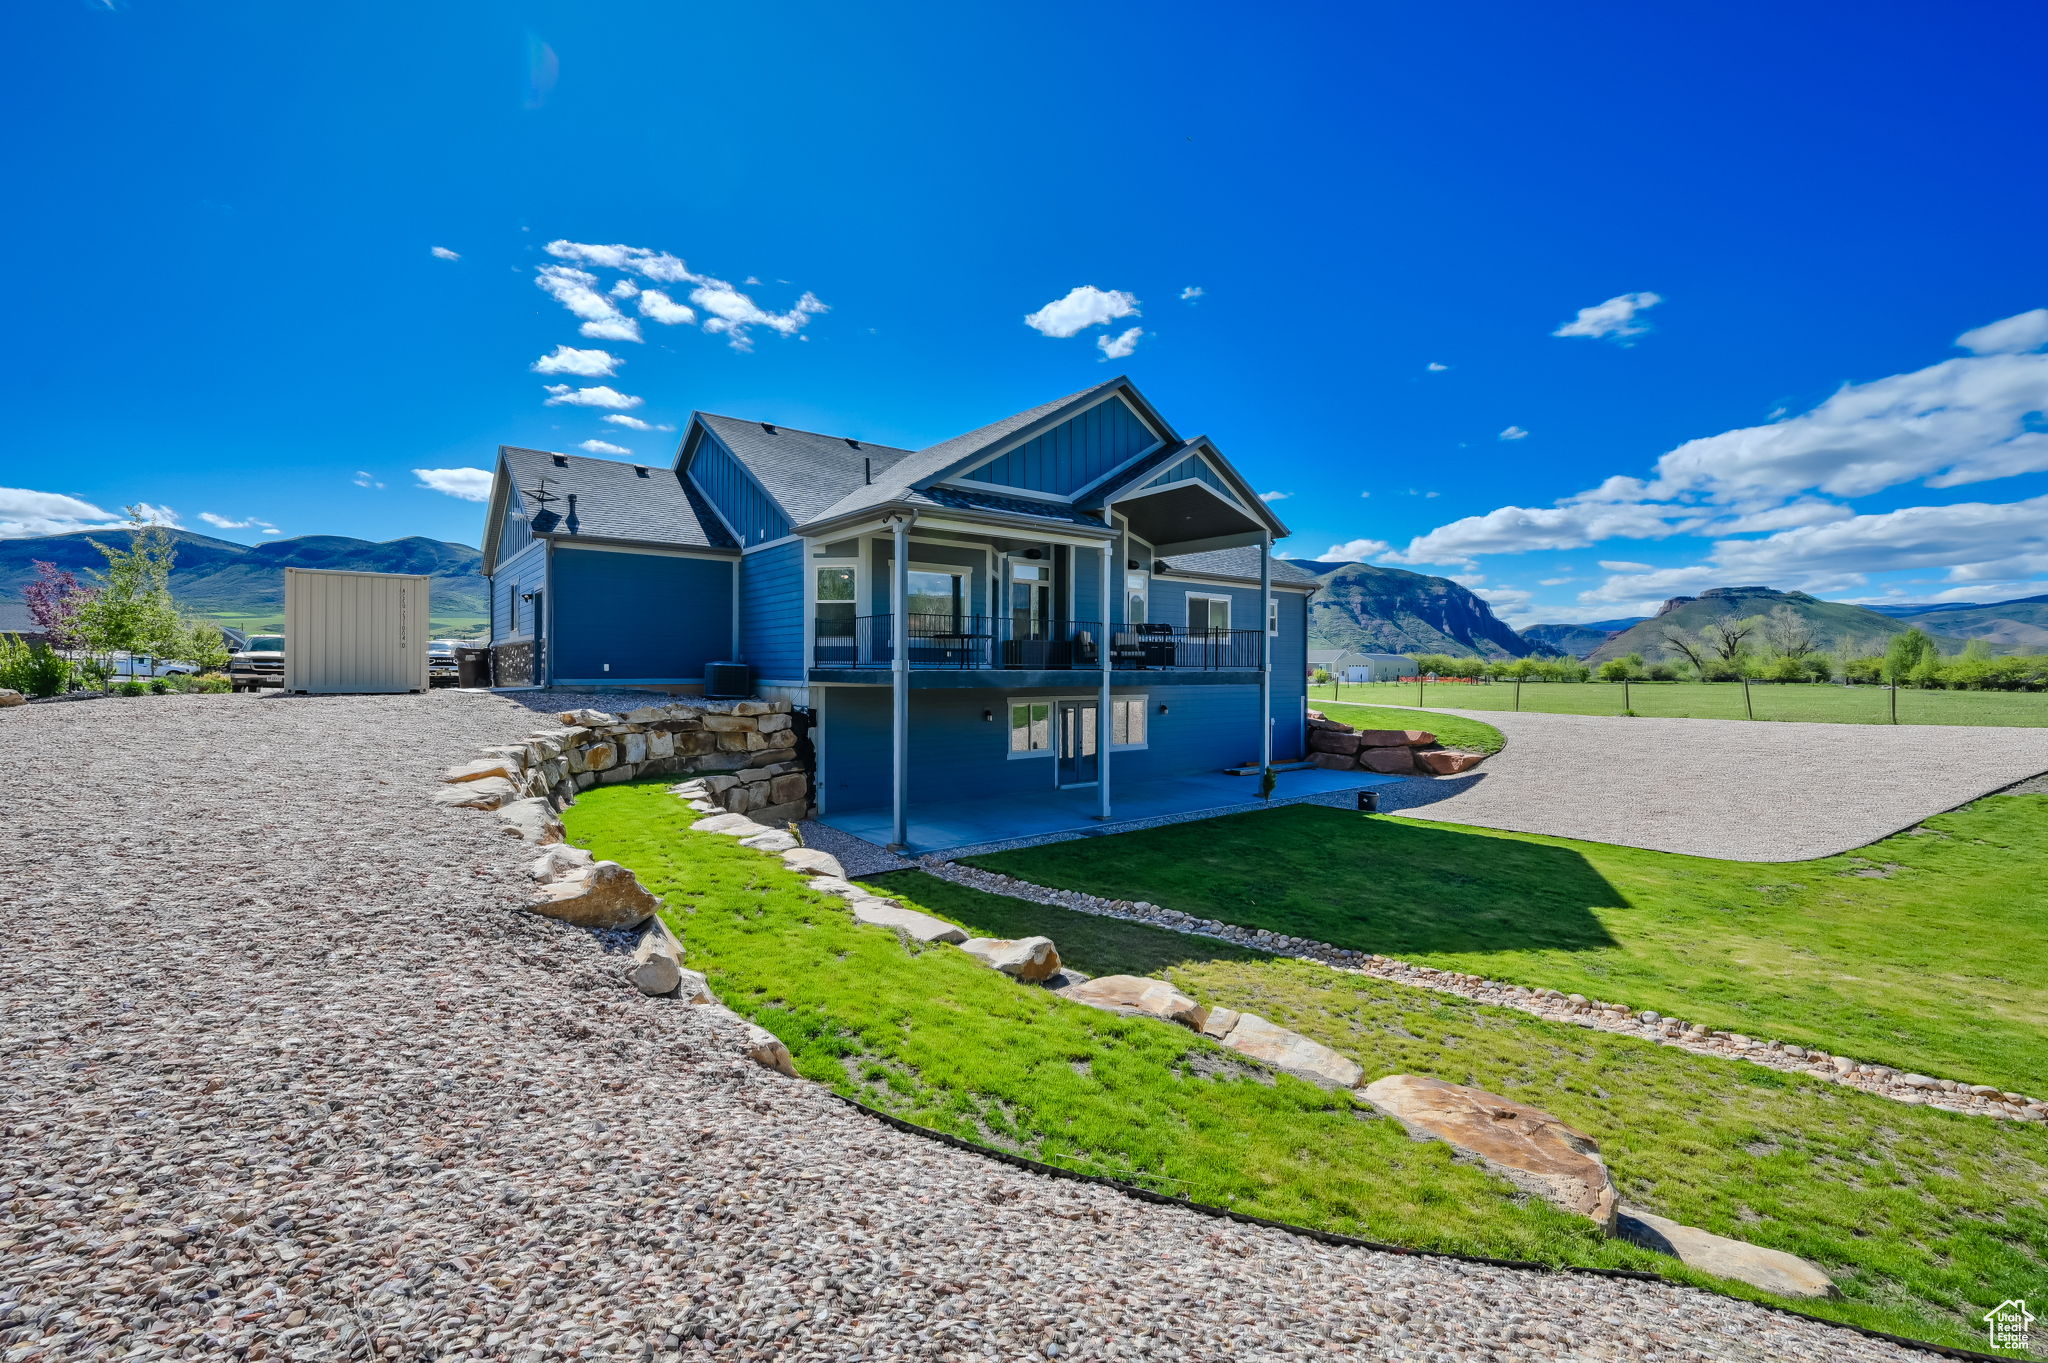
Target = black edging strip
(1133,1191)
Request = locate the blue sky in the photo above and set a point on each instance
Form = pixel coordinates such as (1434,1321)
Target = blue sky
(228,301)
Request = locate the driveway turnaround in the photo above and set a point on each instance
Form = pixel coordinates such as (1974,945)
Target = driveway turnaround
(1731,789)
(285,1074)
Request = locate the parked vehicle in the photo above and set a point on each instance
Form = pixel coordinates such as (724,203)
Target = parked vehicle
(441,669)
(141,667)
(258,665)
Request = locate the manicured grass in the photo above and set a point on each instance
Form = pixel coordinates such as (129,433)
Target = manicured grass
(1825,704)
(1453,731)
(1920,951)
(1925,1218)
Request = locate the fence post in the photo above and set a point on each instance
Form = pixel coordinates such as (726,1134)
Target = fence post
(1627,707)
(1518,693)
(1895,702)
(1747,708)
(1418,688)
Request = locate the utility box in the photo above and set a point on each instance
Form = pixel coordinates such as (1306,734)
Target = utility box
(354,632)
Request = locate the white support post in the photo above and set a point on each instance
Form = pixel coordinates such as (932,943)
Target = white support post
(1265,656)
(1102,726)
(899,682)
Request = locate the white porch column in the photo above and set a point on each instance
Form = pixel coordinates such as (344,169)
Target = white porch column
(1102,726)
(899,681)
(1265,655)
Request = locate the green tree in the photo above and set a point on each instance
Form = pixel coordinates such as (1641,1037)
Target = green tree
(200,644)
(1727,639)
(1628,667)
(1790,634)
(1905,652)
(132,610)
(1690,647)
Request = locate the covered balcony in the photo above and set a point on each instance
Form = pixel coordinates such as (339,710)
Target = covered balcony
(948,641)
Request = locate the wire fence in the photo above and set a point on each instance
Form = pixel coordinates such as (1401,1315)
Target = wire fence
(1801,702)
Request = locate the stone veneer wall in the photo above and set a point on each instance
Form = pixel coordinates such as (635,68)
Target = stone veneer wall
(746,755)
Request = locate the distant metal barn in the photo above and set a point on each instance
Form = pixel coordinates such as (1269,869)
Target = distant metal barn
(354,632)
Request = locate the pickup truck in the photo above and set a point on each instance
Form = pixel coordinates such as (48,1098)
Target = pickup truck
(441,668)
(259,664)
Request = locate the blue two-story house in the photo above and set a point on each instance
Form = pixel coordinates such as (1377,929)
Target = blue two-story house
(1072,606)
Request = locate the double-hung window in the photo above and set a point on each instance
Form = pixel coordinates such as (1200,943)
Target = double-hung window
(1030,728)
(1272,615)
(1208,614)
(834,599)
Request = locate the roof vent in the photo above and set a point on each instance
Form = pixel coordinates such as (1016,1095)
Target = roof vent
(639,470)
(561,461)
(851,443)
(768,428)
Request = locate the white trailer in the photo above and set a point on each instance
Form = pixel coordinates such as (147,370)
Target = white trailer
(354,632)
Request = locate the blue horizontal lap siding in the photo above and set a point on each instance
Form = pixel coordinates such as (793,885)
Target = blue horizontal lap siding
(652,617)
(525,571)
(1290,678)
(956,754)
(725,481)
(1073,454)
(772,604)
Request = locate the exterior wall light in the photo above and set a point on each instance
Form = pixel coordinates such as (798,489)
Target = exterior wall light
(1162,709)
(988,716)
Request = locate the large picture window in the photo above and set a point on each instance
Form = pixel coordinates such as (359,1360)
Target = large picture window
(939,595)
(1030,727)
(1208,614)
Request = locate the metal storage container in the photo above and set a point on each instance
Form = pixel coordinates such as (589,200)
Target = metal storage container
(356,632)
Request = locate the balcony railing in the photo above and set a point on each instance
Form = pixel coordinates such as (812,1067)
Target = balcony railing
(966,642)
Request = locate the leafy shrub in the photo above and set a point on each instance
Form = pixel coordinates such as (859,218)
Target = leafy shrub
(32,669)
(1863,671)
(212,684)
(1628,667)
(159,685)
(133,688)
(1663,672)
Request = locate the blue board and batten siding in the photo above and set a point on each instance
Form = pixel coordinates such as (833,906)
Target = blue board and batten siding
(1197,468)
(623,618)
(1073,454)
(772,606)
(725,482)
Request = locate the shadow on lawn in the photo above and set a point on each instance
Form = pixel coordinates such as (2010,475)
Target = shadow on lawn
(1354,880)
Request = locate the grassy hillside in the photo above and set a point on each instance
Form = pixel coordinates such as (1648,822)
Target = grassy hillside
(1370,609)
(243,585)
(1837,624)
(2008,626)
(1576,641)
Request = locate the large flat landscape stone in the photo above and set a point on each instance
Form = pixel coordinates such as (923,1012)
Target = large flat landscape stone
(1292,1052)
(1771,1269)
(922,926)
(1526,1145)
(1025,958)
(1136,994)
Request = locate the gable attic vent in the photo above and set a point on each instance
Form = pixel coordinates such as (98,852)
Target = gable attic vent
(561,461)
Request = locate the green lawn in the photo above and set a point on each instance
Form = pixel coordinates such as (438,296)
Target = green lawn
(1712,700)
(1926,1218)
(1921,951)
(1453,731)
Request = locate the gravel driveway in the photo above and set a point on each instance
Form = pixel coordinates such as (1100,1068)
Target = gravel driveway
(1732,789)
(285,1076)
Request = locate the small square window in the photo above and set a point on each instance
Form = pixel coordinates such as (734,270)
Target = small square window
(1030,726)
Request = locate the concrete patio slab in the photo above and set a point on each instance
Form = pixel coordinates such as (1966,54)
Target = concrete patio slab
(1730,789)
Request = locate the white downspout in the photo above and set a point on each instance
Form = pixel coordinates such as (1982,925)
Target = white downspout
(1102,727)
(1265,655)
(899,683)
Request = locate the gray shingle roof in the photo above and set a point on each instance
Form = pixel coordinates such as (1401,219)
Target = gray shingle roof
(805,472)
(934,459)
(1241,563)
(616,502)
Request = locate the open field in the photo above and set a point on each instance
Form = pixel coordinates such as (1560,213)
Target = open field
(1909,952)
(1918,1213)
(1824,704)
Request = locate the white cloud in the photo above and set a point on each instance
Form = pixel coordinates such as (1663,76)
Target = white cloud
(634,423)
(1622,565)
(145,514)
(575,290)
(223,522)
(589,364)
(1274,496)
(1804,511)
(1572,524)
(471,485)
(659,307)
(1514,433)
(1428,495)
(1084,307)
(1116,347)
(603,447)
(611,329)
(24,513)
(443,253)
(1353,551)
(1511,604)
(603,395)
(364,479)
(656,265)
(1367,493)
(732,312)
(272,530)
(1191,293)
(1555,581)
(2022,331)
(625,288)
(1616,318)
(1435,368)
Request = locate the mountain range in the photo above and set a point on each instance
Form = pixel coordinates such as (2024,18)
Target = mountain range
(243,584)
(1366,609)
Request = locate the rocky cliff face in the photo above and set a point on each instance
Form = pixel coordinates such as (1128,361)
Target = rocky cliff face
(1387,610)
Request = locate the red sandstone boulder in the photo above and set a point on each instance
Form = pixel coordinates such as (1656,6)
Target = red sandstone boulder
(1395,738)
(1444,763)
(1334,761)
(1328,740)
(1387,761)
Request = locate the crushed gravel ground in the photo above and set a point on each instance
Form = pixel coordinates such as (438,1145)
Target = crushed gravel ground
(283,1075)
